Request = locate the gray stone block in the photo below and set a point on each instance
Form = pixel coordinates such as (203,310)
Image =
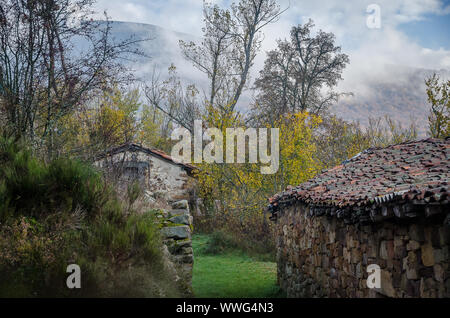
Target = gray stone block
(181,219)
(177,232)
(183,205)
(176,212)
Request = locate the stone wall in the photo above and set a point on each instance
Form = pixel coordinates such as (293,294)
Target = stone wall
(177,233)
(320,256)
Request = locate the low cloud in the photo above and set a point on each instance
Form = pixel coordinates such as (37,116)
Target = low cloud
(370,50)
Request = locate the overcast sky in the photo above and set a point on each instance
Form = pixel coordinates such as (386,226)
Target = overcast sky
(412,33)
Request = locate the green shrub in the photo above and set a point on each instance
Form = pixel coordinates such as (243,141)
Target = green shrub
(63,212)
(221,242)
(31,187)
(253,234)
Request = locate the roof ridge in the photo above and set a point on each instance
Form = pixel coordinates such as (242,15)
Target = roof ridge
(155,151)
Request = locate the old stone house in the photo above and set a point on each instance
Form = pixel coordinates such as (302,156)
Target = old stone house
(169,186)
(156,171)
(386,206)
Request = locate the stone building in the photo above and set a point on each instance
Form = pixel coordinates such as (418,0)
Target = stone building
(169,186)
(386,206)
(156,171)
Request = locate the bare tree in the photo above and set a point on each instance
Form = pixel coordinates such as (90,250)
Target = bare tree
(297,72)
(231,40)
(43,76)
(211,56)
(438,97)
(179,104)
(278,91)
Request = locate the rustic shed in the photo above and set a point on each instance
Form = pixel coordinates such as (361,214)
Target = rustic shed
(157,172)
(386,206)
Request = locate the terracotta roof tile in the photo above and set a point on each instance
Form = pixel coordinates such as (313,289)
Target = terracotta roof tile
(416,170)
(156,152)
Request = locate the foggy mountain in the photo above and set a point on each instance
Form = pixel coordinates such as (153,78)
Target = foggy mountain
(399,93)
(161,48)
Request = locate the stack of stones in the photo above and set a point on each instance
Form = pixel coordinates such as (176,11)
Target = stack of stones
(177,231)
(324,257)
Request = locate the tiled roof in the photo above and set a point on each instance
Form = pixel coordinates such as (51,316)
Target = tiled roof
(155,152)
(416,171)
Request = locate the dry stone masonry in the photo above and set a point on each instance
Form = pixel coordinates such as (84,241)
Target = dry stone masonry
(320,256)
(177,232)
(387,207)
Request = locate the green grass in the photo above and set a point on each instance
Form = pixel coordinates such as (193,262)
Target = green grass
(232,274)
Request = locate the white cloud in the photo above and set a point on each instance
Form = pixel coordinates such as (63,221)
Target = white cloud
(370,50)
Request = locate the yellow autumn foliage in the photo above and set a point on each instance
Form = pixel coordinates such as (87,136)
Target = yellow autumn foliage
(117,117)
(236,194)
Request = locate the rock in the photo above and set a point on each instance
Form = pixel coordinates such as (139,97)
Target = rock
(359,271)
(438,273)
(169,266)
(182,205)
(387,249)
(325,262)
(444,235)
(416,233)
(427,286)
(177,232)
(435,238)
(426,272)
(288,270)
(173,213)
(386,284)
(410,265)
(184,259)
(178,247)
(372,251)
(331,237)
(398,241)
(333,273)
(412,246)
(187,250)
(386,232)
(441,255)
(400,252)
(184,243)
(180,219)
(427,254)
(356,256)
(413,288)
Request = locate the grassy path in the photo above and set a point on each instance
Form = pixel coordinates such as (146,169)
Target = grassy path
(231,275)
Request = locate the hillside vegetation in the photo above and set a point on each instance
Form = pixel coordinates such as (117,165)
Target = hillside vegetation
(63,212)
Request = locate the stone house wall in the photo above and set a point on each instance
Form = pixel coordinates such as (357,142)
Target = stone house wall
(321,256)
(160,178)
